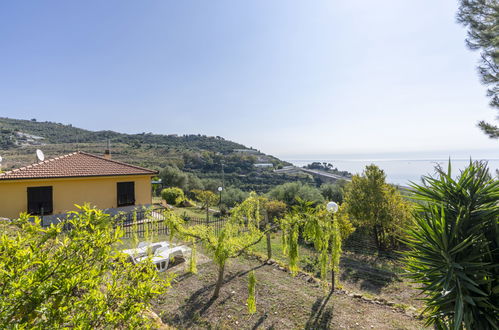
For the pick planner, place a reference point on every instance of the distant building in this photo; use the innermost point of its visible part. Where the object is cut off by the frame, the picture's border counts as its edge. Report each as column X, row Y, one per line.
column 264, row 165
column 247, row 151
column 56, row 185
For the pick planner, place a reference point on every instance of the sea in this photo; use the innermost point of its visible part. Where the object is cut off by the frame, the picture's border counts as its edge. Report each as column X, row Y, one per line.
column 402, row 168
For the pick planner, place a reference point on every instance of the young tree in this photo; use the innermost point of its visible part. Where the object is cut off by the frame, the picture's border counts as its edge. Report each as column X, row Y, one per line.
column 274, row 211
column 239, row 234
column 455, row 248
column 482, row 19
column 320, row 227
column 52, row 278
column 371, row 203
column 207, row 199
column 251, row 301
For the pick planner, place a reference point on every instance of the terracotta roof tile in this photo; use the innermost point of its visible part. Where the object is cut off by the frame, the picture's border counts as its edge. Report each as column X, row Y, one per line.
column 77, row 164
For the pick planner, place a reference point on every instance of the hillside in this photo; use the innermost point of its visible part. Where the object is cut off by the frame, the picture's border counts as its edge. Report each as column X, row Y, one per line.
column 199, row 154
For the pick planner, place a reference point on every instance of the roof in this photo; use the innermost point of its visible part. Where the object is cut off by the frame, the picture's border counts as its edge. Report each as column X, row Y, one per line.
column 76, row 164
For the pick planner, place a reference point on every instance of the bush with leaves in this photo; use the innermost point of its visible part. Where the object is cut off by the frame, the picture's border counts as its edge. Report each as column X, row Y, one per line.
column 173, row 195
column 333, row 191
column 52, row 278
column 373, row 204
column 171, row 176
column 288, row 193
column 233, row 196
column 454, row 246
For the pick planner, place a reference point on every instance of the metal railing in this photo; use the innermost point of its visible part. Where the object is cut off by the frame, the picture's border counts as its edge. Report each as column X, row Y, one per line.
column 141, row 222
column 216, row 224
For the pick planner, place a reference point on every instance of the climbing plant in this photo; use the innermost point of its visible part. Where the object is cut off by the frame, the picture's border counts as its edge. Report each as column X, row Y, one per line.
column 319, row 227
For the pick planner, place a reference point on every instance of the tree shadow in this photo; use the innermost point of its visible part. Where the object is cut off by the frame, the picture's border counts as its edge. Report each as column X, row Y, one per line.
column 201, row 300
column 320, row 315
column 369, row 278
column 260, row 321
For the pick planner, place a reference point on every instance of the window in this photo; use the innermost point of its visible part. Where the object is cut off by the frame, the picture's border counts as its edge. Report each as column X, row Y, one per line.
column 126, row 193
column 40, row 200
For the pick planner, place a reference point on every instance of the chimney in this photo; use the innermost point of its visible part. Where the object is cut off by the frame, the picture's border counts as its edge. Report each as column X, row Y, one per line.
column 107, row 152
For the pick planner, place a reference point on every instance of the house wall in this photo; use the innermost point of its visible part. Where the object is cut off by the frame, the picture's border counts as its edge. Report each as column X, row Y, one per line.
column 100, row 192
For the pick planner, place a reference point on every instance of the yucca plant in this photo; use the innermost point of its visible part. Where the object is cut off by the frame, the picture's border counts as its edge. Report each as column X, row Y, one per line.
column 454, row 245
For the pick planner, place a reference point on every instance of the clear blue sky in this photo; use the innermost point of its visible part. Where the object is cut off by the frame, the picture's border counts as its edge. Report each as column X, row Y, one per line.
column 286, row 77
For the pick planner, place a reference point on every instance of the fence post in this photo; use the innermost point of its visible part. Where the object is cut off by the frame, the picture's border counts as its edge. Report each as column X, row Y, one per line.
column 269, row 245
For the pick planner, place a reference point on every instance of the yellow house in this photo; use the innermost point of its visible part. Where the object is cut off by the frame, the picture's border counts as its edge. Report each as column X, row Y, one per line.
column 54, row 186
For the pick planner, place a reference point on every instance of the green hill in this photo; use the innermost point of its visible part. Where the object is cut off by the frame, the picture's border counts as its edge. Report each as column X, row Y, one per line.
column 199, row 154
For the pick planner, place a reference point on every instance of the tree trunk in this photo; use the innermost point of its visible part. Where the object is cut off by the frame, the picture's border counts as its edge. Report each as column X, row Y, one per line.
column 376, row 237
column 269, row 245
column 219, row 281
column 332, row 280
column 207, row 215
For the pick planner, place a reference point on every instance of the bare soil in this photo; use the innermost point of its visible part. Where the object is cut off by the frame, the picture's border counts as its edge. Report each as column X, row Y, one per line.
column 283, row 302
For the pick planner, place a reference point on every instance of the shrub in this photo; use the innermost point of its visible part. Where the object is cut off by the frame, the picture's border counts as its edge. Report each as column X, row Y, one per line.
column 233, row 196
column 333, row 191
column 54, row 279
column 454, row 248
column 288, row 193
column 173, row 196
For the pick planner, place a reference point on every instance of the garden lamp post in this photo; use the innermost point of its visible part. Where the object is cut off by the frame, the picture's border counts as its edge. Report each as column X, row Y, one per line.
column 332, row 208
column 220, row 191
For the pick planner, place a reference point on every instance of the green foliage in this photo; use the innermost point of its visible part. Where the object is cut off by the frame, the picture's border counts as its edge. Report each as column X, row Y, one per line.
column 233, row 196
column 249, row 211
column 54, row 279
column 482, row 19
column 288, row 193
column 251, row 293
column 333, row 191
column 193, row 261
column 372, row 203
column 206, row 197
column 199, row 158
column 455, row 248
column 319, row 227
column 344, row 224
column 171, row 176
column 275, row 209
column 173, row 196
column 237, row 235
